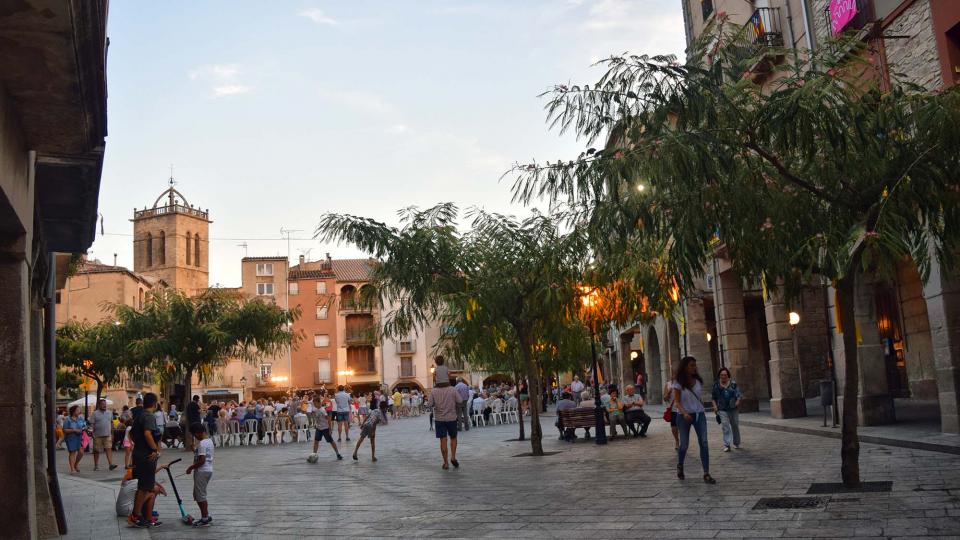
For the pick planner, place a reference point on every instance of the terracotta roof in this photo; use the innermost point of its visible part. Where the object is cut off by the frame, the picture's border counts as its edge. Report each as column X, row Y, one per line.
column 353, row 269
column 97, row 267
column 274, row 258
column 311, row 274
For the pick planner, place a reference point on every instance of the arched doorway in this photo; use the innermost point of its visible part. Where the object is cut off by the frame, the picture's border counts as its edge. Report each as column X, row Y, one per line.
column 497, row 378
column 406, row 386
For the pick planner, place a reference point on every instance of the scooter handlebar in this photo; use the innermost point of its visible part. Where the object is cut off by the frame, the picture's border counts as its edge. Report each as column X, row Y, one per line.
column 174, row 461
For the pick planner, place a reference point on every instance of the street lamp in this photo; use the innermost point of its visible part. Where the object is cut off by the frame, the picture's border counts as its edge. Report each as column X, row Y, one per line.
column 591, row 301
column 243, row 387
column 346, row 374
column 794, row 319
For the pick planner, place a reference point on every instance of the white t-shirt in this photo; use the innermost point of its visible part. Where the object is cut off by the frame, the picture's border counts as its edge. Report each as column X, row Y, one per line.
column 128, row 490
column 690, row 398
column 205, row 448
column 576, row 387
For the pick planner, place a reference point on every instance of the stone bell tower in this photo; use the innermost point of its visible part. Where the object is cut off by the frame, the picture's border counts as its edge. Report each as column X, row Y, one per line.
column 171, row 242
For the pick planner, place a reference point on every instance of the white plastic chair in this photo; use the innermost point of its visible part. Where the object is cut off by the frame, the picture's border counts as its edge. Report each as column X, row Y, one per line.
column 223, row 431
column 269, row 429
column 283, row 428
column 478, row 418
column 234, row 431
column 303, row 426
column 511, row 414
column 250, row 431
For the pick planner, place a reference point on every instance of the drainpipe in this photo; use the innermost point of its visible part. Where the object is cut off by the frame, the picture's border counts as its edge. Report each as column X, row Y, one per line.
column 807, row 28
column 793, row 39
column 50, row 384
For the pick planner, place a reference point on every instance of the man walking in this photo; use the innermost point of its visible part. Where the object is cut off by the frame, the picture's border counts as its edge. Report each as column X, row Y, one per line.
column 576, row 388
column 445, row 401
column 463, row 418
column 146, row 451
column 342, row 414
column 193, row 417
column 102, row 423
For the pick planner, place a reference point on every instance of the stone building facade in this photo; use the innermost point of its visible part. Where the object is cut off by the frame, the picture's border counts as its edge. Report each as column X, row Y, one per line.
column 908, row 330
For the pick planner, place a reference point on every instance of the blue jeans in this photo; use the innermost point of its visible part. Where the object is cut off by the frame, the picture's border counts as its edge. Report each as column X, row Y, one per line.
column 699, row 424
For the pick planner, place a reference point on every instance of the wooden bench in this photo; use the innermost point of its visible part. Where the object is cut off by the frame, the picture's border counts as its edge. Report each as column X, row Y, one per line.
column 582, row 417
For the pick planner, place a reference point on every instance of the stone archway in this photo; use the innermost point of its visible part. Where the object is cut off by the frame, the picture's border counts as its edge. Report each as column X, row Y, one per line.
column 654, row 366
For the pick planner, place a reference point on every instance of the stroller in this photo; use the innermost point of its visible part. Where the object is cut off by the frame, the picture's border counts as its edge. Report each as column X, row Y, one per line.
column 173, row 435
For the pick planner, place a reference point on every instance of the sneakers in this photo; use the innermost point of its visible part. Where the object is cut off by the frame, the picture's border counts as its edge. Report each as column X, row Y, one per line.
column 726, row 448
column 339, row 457
column 203, row 522
column 737, row 446
column 112, row 467
column 137, row 521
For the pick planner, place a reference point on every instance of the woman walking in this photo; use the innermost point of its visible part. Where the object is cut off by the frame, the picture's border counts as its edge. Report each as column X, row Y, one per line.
column 726, row 400
column 672, row 407
column 686, row 395
column 73, row 428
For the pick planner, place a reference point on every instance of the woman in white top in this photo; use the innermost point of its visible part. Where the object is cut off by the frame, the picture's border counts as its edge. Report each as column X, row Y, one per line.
column 686, row 397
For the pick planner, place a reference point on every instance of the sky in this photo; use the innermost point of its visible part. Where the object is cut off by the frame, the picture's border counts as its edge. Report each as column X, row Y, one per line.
column 273, row 113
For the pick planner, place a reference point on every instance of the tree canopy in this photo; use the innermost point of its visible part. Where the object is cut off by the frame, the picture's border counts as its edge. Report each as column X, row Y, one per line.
column 801, row 169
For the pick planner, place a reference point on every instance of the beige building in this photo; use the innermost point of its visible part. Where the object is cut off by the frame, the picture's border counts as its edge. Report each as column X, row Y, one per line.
column 171, row 242
column 88, row 296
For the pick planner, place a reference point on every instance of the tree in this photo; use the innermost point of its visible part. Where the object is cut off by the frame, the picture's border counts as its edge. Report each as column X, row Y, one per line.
column 502, row 288
column 182, row 335
column 804, row 169
column 69, row 383
column 95, row 351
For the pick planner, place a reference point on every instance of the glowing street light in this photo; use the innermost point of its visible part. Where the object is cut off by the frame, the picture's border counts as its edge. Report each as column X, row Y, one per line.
column 347, row 373
column 591, row 303
column 709, row 337
column 794, row 318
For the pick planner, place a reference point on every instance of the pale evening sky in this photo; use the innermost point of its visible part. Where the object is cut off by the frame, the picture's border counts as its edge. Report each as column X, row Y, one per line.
column 273, row 113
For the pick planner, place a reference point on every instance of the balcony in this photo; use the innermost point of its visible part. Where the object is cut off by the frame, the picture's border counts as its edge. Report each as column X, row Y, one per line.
column 353, row 306
column 765, row 28
column 406, row 371
column 358, row 338
column 406, row 347
column 171, row 209
column 322, row 378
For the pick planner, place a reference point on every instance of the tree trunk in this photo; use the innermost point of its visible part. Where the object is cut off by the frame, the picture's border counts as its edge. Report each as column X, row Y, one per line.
column 533, row 378
column 850, row 443
column 185, row 422
column 99, row 393
column 516, row 378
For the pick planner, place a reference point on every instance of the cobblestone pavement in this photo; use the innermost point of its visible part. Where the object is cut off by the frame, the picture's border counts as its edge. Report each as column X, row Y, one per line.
column 626, row 489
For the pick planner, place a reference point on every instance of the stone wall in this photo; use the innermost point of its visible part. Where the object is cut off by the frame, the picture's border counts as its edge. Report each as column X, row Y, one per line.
column 914, row 59
column 918, row 347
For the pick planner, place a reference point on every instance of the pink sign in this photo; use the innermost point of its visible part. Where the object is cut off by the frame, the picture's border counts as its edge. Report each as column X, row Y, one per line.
column 841, row 13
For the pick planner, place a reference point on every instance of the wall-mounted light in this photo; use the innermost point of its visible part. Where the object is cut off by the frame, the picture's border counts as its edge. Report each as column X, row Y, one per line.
column 794, row 318
column 634, row 355
column 709, row 337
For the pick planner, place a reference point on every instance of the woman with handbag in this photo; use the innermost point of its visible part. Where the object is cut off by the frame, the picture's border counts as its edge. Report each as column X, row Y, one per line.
column 692, row 414
column 726, row 400
column 73, row 429
column 670, row 414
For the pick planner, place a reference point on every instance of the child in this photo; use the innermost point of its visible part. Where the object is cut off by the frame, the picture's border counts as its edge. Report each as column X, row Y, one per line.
column 322, row 423
column 441, row 374
column 369, row 429
column 128, row 492
column 202, row 469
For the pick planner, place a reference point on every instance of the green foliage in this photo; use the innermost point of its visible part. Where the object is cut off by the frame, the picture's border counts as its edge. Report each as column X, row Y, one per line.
column 97, row 351
column 181, row 335
column 68, row 383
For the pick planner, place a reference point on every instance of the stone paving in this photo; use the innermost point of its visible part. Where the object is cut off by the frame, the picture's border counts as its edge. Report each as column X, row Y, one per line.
column 626, row 489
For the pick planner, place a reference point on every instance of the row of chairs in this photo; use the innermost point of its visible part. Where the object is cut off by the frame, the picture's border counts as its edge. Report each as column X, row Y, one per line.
column 507, row 415
column 270, row 430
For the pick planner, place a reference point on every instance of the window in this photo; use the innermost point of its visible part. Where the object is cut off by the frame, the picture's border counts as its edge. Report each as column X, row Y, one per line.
column 321, row 287
column 265, row 269
column 196, row 250
column 149, row 249
column 361, row 359
column 162, row 248
column 706, row 6
column 189, row 247
column 57, row 297
column 406, row 347
column 141, row 298
column 294, row 287
column 266, row 371
column 321, row 340
column 406, row 367
column 323, row 370
column 265, row 289
column 321, row 313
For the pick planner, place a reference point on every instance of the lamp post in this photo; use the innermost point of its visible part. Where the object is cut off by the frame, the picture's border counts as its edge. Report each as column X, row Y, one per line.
column 243, row 387
column 794, row 319
column 590, row 300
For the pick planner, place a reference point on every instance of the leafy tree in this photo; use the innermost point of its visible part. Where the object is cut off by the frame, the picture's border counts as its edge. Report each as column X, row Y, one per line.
column 182, row 335
column 503, row 287
column 804, row 170
column 69, row 383
column 96, row 351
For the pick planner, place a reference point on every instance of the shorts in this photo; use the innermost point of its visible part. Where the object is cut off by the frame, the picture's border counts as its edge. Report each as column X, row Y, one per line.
column 200, row 481
column 145, row 471
column 101, row 444
column 364, row 411
column 524, row 397
column 341, row 416
column 368, row 432
column 325, row 433
column 446, row 429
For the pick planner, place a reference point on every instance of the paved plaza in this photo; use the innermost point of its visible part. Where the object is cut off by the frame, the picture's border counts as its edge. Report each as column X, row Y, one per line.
column 626, row 489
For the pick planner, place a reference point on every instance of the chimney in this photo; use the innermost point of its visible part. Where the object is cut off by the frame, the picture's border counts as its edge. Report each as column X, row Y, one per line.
column 329, row 264
column 114, row 259
column 301, row 260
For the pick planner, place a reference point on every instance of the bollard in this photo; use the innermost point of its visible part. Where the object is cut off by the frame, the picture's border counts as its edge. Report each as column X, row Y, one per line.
column 826, row 398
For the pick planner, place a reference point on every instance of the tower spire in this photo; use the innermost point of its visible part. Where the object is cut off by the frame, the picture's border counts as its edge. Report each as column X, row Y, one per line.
column 172, row 183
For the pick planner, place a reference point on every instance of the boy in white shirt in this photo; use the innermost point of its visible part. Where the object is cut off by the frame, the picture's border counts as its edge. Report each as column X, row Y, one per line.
column 202, row 469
